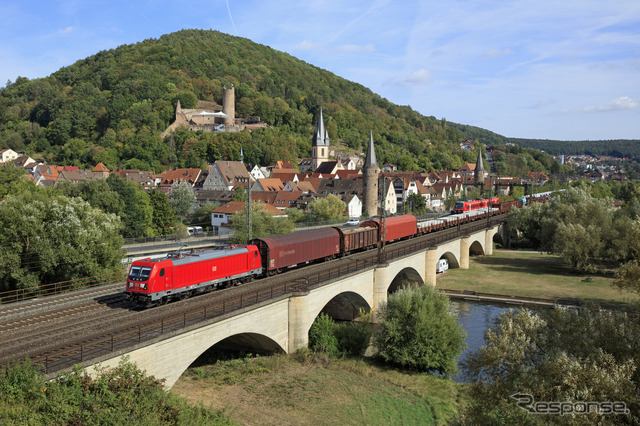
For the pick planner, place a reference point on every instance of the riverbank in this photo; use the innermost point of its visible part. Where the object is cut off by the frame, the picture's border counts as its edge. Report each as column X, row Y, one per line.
column 533, row 275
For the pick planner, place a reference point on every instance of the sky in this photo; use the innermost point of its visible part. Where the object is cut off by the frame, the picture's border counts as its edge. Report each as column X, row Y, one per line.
column 544, row 69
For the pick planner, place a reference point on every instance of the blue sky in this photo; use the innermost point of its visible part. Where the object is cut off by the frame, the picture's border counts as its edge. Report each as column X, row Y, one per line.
column 544, row 69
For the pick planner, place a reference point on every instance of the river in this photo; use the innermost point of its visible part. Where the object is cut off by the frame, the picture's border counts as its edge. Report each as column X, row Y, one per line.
column 475, row 317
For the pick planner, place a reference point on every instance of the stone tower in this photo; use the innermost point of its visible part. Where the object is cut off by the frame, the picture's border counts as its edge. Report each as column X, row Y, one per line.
column 479, row 174
column 371, row 174
column 320, row 144
column 229, row 105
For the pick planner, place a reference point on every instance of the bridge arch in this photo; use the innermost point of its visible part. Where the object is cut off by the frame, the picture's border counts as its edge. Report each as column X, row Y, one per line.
column 476, row 249
column 345, row 306
column 168, row 358
column 407, row 275
column 452, row 259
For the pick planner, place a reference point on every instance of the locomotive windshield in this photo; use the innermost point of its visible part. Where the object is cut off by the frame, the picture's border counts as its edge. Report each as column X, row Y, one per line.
column 139, row 273
column 459, row 205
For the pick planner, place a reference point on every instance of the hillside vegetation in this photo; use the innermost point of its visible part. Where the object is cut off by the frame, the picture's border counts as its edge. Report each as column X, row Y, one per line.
column 112, row 107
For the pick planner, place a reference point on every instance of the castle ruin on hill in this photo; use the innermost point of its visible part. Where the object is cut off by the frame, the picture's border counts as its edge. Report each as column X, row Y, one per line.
column 209, row 117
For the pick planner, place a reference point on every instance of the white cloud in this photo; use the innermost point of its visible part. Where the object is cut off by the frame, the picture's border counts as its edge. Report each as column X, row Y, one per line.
column 417, row 78
column 619, row 104
column 542, row 103
column 356, row 48
column 306, row 45
column 65, row 31
column 496, row 52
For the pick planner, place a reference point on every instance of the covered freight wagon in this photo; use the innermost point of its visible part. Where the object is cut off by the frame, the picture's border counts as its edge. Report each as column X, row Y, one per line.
column 354, row 239
column 397, row 227
column 283, row 251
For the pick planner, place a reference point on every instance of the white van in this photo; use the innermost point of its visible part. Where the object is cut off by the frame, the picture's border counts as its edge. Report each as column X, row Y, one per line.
column 442, row 266
column 195, row 231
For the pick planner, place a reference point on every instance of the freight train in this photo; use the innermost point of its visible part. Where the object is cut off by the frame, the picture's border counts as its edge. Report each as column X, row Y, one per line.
column 179, row 275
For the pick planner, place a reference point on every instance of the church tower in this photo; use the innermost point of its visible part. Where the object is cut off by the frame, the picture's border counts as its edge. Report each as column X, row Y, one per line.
column 371, row 173
column 479, row 174
column 320, row 144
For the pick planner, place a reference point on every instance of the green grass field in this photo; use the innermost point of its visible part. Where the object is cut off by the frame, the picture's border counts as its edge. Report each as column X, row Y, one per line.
column 314, row 390
column 532, row 274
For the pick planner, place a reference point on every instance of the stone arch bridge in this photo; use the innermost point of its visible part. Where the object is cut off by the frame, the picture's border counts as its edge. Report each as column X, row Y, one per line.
column 282, row 325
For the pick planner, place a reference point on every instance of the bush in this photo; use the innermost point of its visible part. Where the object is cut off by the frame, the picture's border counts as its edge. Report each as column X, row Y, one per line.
column 353, row 339
column 335, row 339
column 322, row 336
column 116, row 396
column 418, row 331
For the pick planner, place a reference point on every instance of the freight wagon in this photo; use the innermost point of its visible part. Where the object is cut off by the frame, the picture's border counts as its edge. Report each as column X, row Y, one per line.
column 396, row 227
column 283, row 251
column 356, row 239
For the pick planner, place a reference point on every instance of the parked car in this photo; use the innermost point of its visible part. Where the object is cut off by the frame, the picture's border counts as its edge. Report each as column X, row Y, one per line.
column 353, row 222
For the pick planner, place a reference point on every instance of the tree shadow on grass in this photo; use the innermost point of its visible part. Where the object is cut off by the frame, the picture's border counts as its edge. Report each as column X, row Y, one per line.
column 537, row 266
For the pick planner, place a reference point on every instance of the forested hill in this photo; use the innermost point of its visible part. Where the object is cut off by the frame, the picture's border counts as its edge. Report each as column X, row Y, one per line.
column 112, row 107
column 614, row 148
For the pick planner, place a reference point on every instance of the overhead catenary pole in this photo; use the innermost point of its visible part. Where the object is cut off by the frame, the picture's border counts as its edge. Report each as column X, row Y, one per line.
column 249, row 210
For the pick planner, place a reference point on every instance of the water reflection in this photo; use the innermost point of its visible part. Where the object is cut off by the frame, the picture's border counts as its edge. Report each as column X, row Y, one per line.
column 476, row 317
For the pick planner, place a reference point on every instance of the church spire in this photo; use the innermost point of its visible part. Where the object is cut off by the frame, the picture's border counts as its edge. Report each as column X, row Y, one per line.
column 320, row 144
column 479, row 173
column 321, row 137
column 371, row 161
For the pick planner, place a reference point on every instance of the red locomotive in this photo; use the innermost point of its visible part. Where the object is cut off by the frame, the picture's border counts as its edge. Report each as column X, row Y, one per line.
column 177, row 276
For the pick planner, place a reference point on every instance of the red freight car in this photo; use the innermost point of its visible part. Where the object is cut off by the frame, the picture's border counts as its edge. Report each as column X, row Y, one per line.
column 397, row 227
column 354, row 239
column 505, row 206
column 282, row 251
column 175, row 276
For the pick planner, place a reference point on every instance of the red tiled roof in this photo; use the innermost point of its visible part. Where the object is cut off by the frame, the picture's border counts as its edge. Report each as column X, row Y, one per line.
column 100, row 168
column 233, row 207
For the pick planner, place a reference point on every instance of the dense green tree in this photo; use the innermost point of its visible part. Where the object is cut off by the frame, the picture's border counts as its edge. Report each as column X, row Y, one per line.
column 240, row 194
column 164, row 217
column 14, row 181
column 295, row 214
column 95, row 192
column 263, row 224
column 137, row 213
column 418, row 331
column 415, row 204
column 52, row 238
column 562, row 355
column 326, row 209
column 584, row 230
column 182, row 199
